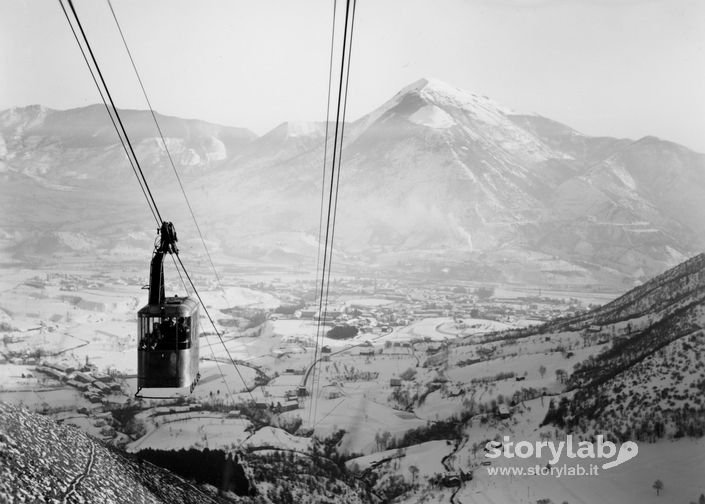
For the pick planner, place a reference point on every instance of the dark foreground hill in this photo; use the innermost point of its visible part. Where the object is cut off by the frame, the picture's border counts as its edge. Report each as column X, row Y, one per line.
column 42, row 461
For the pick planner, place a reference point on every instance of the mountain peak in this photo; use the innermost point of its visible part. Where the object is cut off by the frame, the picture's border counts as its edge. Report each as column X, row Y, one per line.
column 440, row 93
column 430, row 85
column 297, row 129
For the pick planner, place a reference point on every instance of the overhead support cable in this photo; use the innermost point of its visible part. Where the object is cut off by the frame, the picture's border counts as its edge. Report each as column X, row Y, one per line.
column 323, row 187
column 334, row 184
column 110, row 113
column 132, row 157
column 173, row 166
column 114, row 108
column 217, row 363
column 215, row 329
column 166, row 148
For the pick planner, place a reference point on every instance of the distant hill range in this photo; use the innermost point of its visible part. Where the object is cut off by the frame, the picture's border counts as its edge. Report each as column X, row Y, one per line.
column 435, row 179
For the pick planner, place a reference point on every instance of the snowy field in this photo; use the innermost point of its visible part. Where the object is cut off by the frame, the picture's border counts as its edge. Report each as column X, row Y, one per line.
column 197, row 430
column 359, row 385
column 443, row 328
column 679, row 465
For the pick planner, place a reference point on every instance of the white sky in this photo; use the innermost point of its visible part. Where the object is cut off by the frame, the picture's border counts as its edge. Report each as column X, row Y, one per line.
column 605, row 67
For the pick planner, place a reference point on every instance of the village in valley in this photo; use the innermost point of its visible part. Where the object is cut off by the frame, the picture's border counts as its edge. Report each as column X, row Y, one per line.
column 272, row 327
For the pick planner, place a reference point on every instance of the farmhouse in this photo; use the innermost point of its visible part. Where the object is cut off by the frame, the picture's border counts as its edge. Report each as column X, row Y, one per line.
column 289, row 405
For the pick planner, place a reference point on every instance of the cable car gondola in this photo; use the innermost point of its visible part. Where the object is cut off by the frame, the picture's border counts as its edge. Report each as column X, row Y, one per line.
column 167, row 328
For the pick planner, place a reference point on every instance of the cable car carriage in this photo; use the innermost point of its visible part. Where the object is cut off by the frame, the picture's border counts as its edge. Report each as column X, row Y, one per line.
column 167, row 351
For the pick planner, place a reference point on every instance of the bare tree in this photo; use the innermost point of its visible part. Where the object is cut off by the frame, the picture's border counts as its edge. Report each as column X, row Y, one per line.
column 561, row 375
column 658, row 485
column 414, row 472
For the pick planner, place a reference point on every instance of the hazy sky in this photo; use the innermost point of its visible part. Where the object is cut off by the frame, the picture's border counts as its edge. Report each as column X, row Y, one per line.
column 605, row 67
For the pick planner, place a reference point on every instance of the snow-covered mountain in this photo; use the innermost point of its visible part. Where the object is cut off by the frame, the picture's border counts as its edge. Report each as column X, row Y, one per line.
column 436, row 174
column 487, row 179
column 42, row 141
column 647, row 382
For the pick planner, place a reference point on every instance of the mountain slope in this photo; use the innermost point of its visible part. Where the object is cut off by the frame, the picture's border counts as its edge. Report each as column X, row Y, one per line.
column 68, row 146
column 680, row 286
column 90, row 126
column 647, row 381
column 443, row 169
column 41, row 460
column 457, row 167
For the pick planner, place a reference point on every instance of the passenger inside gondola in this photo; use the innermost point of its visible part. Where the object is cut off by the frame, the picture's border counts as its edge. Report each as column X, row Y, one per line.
column 184, row 332
column 169, row 334
column 165, row 334
column 155, row 337
column 149, row 337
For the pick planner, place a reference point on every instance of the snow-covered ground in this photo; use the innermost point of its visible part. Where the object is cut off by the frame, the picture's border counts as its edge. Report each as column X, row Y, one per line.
column 271, row 437
column 444, row 328
column 359, row 386
column 679, row 465
column 238, row 296
column 361, row 417
column 426, row 457
column 198, row 430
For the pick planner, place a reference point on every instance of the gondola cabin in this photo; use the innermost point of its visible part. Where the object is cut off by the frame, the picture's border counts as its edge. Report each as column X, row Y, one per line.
column 168, row 344
column 167, row 332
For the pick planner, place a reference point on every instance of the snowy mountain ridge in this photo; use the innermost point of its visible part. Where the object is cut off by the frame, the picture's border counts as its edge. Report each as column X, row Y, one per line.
column 434, row 172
